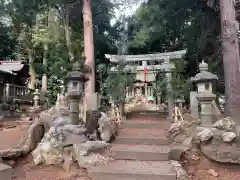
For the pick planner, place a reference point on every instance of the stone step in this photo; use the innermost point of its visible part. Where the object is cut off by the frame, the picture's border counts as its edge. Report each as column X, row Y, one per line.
column 141, row 114
column 5, row 172
column 142, row 124
column 133, row 170
column 140, row 152
column 142, row 132
column 141, row 140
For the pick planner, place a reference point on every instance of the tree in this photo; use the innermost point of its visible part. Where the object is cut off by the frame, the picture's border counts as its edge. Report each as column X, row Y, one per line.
column 7, row 44
column 88, row 49
column 230, row 57
column 165, row 26
column 116, row 83
column 22, row 15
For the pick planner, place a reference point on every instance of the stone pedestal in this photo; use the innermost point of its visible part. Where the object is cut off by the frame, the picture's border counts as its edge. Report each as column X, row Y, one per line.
column 206, row 115
column 74, row 99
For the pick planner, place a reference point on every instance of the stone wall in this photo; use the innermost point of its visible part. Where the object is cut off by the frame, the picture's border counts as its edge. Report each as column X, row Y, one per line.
column 217, row 141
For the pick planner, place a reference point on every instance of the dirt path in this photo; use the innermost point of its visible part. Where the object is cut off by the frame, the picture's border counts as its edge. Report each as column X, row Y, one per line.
column 12, row 131
column 199, row 170
column 27, row 170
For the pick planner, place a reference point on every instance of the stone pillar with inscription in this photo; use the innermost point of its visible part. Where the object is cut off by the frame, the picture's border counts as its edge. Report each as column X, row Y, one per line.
column 76, row 80
column 170, row 97
column 194, row 104
column 7, row 92
column 205, row 96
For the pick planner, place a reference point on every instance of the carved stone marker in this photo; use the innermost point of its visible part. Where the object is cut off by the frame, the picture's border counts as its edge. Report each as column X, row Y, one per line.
column 194, row 104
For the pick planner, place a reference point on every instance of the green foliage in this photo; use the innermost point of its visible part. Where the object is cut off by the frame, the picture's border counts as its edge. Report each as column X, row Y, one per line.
column 157, row 26
column 116, row 83
column 41, row 23
column 180, row 84
column 6, row 44
column 169, row 25
column 54, row 88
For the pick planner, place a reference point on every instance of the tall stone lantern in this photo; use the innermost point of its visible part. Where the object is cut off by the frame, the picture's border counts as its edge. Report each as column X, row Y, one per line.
column 205, row 95
column 76, row 80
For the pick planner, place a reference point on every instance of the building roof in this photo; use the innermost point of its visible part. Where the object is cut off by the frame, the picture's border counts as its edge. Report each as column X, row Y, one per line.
column 3, row 70
column 13, row 66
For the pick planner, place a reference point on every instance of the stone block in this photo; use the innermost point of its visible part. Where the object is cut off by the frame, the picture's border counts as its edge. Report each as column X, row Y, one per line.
column 180, row 138
column 225, row 154
column 188, row 142
column 238, row 136
column 177, row 151
column 181, row 173
column 5, row 172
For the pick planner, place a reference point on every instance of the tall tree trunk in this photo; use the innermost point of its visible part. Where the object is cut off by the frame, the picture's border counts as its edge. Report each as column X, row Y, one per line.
column 230, row 58
column 44, row 77
column 121, row 108
column 88, row 49
column 32, row 71
column 45, row 56
column 68, row 34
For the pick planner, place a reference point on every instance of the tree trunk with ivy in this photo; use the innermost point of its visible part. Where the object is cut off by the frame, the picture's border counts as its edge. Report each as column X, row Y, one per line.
column 44, row 77
column 230, row 58
column 32, row 71
column 121, row 106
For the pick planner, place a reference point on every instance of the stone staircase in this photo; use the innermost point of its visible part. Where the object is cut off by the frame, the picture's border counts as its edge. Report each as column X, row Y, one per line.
column 141, row 152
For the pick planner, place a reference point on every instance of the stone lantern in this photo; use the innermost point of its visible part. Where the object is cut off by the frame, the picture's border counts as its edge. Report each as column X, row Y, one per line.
column 36, row 98
column 205, row 95
column 76, row 80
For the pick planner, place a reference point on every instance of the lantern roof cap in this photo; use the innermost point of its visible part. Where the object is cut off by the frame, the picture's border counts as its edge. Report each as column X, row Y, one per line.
column 204, row 74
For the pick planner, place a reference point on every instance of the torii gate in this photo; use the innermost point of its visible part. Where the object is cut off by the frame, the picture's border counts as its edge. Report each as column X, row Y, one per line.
column 149, row 75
